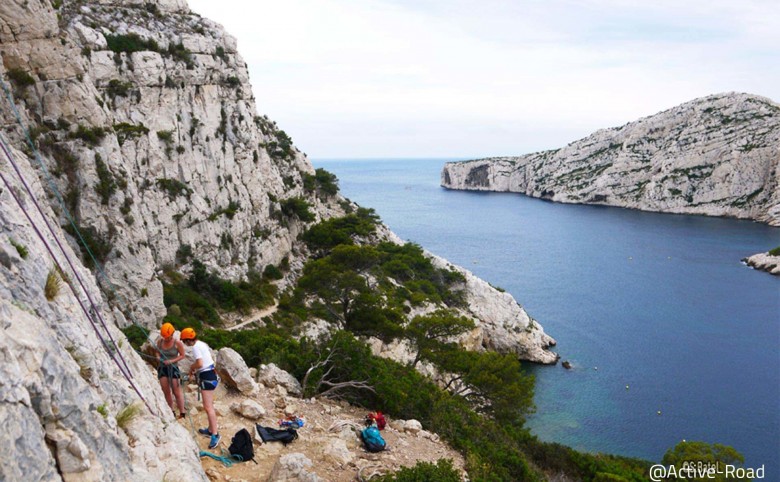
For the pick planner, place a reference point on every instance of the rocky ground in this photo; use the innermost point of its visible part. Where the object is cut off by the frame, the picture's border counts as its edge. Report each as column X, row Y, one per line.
column 765, row 262
column 328, row 447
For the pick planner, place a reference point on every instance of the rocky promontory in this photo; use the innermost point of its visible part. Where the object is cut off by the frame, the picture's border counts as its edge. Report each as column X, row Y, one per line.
column 716, row 156
column 768, row 262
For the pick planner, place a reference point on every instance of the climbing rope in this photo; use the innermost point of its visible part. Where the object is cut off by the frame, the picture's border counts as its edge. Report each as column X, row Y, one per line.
column 227, row 459
column 102, row 277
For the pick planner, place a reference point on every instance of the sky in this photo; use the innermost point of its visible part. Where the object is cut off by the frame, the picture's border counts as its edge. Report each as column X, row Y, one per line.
column 468, row 78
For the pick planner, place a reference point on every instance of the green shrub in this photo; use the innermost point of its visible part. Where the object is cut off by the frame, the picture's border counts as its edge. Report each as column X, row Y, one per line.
column 20, row 248
column 272, row 272
column 184, row 253
column 96, row 243
column 130, row 43
column 775, row 251
column 53, row 284
column 117, row 88
column 173, row 187
column 20, row 77
column 323, row 181
column 441, row 471
column 135, row 335
column 297, row 207
column 181, row 54
column 327, row 234
column 106, row 186
column 126, row 131
column 91, row 135
column 128, row 414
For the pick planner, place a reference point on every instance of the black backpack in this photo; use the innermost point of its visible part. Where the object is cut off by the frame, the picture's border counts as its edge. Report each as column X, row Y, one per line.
column 269, row 434
column 241, row 447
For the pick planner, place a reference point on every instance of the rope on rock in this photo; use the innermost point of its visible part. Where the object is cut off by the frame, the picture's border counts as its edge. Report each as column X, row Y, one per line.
column 227, row 459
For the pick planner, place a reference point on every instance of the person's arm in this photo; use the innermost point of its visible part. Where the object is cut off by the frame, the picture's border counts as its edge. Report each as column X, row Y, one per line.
column 198, row 362
column 182, row 354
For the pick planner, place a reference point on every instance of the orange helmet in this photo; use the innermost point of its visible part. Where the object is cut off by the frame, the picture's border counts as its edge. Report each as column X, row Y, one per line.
column 187, row 334
column 167, row 330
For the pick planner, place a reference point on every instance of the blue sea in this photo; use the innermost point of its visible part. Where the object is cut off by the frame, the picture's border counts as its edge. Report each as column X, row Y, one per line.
column 670, row 335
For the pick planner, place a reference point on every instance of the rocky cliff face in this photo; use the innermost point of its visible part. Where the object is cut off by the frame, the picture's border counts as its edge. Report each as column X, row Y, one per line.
column 144, row 115
column 717, row 156
column 145, row 122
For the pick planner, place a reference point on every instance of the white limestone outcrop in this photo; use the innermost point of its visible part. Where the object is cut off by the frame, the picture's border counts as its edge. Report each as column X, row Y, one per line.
column 717, row 156
column 765, row 262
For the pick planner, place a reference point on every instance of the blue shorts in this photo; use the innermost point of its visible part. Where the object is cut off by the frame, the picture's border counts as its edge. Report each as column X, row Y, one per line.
column 208, row 380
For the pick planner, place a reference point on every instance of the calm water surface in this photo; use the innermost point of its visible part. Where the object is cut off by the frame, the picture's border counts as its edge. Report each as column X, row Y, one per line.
column 655, row 311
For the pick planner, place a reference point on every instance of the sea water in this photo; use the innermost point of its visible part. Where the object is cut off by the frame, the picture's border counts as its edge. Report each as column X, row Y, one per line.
column 670, row 336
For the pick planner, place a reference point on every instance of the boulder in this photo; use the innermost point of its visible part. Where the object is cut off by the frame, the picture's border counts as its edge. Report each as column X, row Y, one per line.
column 412, row 426
column 293, row 468
column 234, row 372
column 248, row 409
column 272, row 376
column 336, row 451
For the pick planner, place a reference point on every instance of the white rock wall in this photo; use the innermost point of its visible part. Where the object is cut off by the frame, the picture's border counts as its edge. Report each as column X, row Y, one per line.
column 717, row 156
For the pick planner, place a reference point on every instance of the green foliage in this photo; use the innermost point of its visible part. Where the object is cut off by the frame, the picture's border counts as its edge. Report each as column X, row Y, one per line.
column 296, row 207
column 96, row 243
column 282, row 146
column 105, row 186
column 173, row 187
column 229, row 211
column 130, row 43
column 775, row 251
column 441, row 471
column 199, row 297
column 20, row 248
column 327, row 234
column 232, row 81
column 180, row 53
column 128, row 414
column 557, row 458
column 431, row 334
column 272, row 272
column 165, row 136
column 117, row 88
column 184, row 253
column 126, row 131
column 220, row 52
column 20, row 77
column 135, row 335
column 322, row 181
column 103, row 410
column 53, row 284
column 91, row 135
column 710, row 455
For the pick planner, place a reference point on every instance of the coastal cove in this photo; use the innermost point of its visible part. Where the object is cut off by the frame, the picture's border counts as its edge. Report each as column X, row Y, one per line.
column 670, row 335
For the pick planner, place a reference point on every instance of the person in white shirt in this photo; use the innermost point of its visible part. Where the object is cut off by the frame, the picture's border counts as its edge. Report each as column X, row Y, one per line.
column 207, row 381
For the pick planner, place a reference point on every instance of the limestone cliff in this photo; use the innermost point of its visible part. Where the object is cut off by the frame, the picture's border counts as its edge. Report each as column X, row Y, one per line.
column 716, row 156
column 144, row 120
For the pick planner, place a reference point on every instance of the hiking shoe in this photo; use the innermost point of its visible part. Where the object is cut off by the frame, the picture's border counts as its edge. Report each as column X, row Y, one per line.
column 214, row 441
column 204, row 431
column 182, row 415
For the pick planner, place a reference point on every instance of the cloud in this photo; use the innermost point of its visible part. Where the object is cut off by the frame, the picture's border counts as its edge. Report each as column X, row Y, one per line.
column 472, row 78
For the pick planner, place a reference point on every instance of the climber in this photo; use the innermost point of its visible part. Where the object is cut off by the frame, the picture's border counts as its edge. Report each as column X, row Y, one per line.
column 171, row 351
column 207, row 381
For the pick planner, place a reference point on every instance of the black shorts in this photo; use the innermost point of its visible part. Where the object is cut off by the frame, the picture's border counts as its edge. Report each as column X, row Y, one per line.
column 208, row 380
column 168, row 371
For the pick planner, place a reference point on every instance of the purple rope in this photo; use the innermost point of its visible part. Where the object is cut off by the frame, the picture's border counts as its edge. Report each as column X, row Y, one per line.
column 67, row 258
column 51, row 253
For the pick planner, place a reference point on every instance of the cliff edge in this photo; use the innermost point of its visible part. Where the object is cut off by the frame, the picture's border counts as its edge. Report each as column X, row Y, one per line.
column 716, row 156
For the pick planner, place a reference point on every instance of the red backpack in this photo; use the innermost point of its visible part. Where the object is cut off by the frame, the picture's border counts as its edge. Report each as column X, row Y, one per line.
column 379, row 419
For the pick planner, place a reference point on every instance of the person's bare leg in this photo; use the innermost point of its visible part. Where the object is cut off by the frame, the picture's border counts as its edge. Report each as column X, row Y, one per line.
column 208, row 406
column 178, row 394
column 166, row 388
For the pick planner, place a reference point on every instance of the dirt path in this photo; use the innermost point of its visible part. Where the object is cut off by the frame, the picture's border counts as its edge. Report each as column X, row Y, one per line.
column 255, row 317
